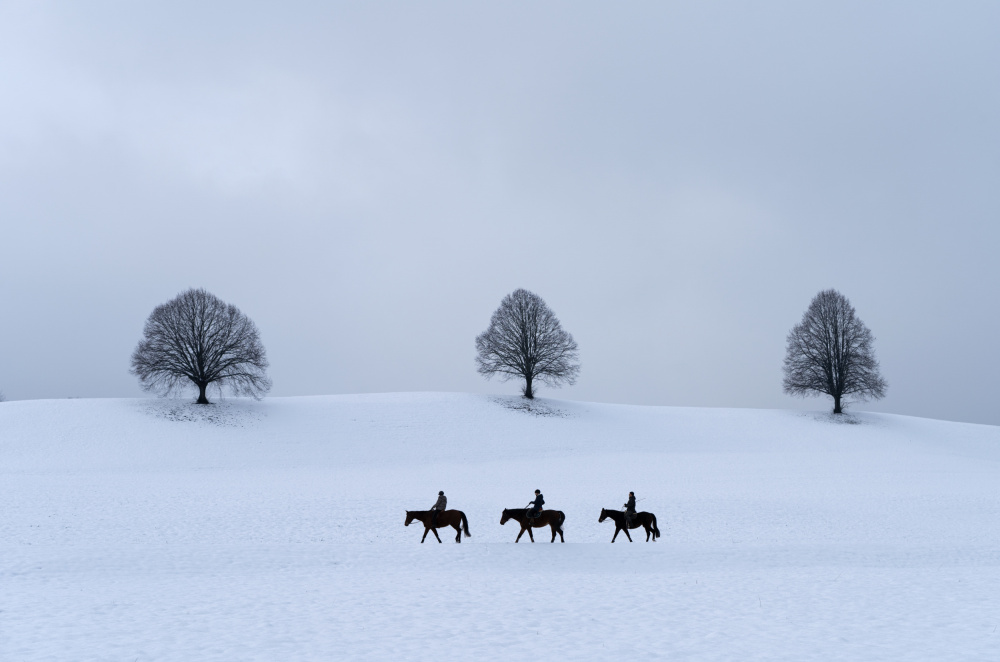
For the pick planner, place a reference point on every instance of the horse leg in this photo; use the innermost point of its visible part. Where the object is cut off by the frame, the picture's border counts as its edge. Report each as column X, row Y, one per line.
column 435, row 532
column 617, row 529
column 519, row 535
column 426, row 529
column 530, row 534
column 626, row 534
column 554, row 529
column 458, row 527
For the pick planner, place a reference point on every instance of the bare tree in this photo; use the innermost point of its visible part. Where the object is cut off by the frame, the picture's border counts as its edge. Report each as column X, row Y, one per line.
column 525, row 340
column 831, row 351
column 196, row 338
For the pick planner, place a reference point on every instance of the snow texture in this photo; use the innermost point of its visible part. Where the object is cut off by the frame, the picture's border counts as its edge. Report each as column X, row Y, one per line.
column 146, row 530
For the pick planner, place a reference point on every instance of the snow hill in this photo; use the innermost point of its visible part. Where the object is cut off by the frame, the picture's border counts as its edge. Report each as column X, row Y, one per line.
column 273, row 530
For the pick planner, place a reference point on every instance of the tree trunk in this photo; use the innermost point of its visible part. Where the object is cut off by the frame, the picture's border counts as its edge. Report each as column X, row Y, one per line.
column 528, row 393
column 836, row 405
column 202, row 400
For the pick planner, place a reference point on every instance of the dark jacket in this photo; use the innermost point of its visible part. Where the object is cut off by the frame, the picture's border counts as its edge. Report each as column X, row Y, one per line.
column 537, row 504
column 630, row 506
column 441, row 503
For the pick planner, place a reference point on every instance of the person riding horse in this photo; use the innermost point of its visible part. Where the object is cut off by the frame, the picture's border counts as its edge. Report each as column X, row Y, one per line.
column 630, row 507
column 439, row 507
column 536, row 505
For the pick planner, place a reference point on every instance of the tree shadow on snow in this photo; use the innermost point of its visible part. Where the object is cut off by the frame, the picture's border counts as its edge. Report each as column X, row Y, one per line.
column 533, row 407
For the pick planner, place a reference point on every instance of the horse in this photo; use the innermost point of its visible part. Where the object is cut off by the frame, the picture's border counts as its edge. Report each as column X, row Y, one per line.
column 643, row 519
column 550, row 518
column 453, row 518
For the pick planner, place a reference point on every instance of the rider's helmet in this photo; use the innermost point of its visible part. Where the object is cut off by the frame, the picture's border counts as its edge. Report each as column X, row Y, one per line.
column 538, row 491
column 441, row 493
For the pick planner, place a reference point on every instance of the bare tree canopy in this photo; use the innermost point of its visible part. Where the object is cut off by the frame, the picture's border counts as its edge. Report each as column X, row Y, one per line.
column 831, row 351
column 199, row 339
column 525, row 340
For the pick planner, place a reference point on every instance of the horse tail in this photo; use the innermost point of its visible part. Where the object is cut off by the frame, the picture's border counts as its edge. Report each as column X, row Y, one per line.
column 465, row 525
column 562, row 518
column 656, row 531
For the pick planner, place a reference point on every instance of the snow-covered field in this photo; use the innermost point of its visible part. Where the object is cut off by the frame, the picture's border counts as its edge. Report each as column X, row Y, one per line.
column 139, row 530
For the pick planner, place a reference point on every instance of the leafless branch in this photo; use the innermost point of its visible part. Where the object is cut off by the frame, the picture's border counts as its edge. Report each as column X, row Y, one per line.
column 831, row 351
column 525, row 340
column 198, row 339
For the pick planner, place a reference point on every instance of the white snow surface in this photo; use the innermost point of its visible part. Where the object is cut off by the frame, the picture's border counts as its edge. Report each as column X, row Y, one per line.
column 139, row 530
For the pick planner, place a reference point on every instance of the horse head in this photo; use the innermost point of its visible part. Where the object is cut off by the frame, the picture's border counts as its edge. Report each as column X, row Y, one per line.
column 506, row 516
column 409, row 518
column 604, row 515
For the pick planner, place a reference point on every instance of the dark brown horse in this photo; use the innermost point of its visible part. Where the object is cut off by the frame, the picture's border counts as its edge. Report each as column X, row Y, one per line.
column 453, row 518
column 550, row 518
column 643, row 519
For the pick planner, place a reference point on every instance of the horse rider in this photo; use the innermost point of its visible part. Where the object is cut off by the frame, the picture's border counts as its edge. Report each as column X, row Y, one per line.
column 630, row 508
column 438, row 507
column 536, row 505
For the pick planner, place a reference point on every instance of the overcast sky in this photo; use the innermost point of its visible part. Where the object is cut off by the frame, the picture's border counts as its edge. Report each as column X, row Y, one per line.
column 366, row 181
